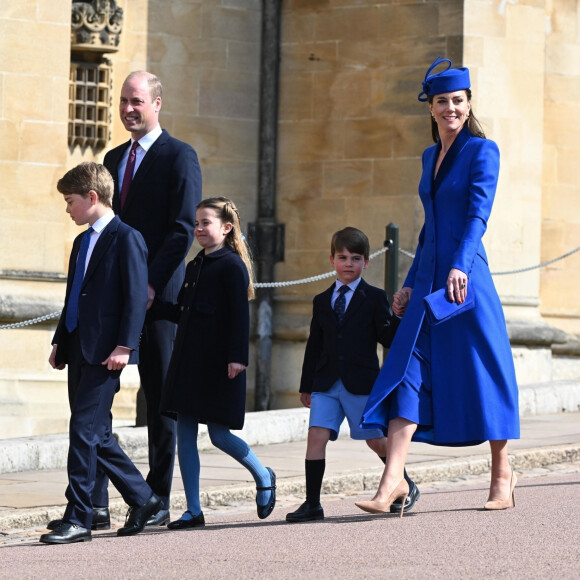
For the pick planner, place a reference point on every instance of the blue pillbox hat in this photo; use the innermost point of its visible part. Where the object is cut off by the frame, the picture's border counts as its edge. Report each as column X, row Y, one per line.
column 446, row 81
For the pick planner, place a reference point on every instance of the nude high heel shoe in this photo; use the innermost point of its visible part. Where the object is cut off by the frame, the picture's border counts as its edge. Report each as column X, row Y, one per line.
column 503, row 504
column 380, row 507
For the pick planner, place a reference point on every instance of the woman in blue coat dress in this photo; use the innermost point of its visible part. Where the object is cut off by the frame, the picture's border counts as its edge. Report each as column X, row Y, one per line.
column 449, row 382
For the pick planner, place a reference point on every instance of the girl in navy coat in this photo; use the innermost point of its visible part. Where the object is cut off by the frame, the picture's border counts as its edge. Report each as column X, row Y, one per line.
column 451, row 383
column 206, row 381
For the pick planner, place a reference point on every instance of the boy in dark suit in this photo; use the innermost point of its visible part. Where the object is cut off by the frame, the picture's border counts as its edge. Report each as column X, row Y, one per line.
column 341, row 363
column 97, row 336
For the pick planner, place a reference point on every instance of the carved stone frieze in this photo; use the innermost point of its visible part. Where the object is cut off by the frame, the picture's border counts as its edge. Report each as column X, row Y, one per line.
column 96, row 26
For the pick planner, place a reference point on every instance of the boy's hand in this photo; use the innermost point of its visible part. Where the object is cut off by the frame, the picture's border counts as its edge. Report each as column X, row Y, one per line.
column 305, row 399
column 401, row 300
column 52, row 359
column 234, row 369
column 150, row 296
column 118, row 359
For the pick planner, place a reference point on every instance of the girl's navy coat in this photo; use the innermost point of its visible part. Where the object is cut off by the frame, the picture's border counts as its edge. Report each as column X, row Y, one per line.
column 214, row 330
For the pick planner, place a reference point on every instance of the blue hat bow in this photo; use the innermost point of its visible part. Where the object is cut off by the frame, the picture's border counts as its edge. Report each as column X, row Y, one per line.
column 445, row 81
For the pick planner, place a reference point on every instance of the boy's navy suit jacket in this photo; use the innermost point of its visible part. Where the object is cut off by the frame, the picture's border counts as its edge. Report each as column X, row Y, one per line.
column 113, row 298
column 347, row 351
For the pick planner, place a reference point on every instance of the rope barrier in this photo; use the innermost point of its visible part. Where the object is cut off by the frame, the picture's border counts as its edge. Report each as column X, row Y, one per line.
column 314, row 279
column 31, row 321
column 539, row 265
column 518, row 271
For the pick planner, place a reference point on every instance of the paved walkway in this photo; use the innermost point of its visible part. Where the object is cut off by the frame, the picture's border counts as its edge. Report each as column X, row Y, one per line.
column 29, row 499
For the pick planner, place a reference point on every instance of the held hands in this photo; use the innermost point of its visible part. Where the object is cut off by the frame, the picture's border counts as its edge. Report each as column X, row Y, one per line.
column 234, row 369
column 52, row 359
column 150, row 295
column 118, row 359
column 305, row 399
column 457, row 285
column 401, row 300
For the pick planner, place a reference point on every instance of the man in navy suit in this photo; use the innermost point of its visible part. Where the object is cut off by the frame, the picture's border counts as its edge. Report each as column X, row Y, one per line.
column 157, row 196
column 97, row 336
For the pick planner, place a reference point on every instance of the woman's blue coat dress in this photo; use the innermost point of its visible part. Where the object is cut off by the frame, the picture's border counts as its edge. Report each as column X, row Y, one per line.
column 474, row 389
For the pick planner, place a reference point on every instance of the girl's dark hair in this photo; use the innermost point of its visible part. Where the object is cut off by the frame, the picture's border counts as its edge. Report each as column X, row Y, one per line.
column 472, row 123
column 227, row 212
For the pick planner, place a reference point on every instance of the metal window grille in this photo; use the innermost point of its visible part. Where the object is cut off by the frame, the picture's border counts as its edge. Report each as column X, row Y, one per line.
column 89, row 105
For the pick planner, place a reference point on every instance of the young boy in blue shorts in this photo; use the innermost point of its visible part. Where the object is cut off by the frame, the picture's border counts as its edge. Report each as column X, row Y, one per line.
column 341, row 364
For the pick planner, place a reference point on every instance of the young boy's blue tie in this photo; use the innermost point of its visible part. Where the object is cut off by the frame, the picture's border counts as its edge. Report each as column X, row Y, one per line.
column 72, row 310
column 340, row 303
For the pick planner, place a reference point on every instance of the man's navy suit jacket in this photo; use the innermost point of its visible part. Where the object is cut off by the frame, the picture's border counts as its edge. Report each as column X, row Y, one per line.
column 347, row 351
column 113, row 297
column 161, row 205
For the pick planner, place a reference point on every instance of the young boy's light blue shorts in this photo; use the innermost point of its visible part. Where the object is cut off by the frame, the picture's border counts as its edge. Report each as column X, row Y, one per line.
column 328, row 409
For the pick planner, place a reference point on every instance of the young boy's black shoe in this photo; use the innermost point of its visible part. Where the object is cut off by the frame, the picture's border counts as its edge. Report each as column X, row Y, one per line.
column 101, row 520
column 306, row 513
column 67, row 533
column 413, row 496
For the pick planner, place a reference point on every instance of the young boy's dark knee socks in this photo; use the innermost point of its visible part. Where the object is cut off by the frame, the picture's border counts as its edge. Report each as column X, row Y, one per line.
column 314, row 475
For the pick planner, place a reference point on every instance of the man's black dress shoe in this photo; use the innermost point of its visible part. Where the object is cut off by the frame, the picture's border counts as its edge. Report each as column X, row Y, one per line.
column 306, row 513
column 194, row 522
column 161, row 518
column 137, row 517
column 265, row 510
column 413, row 496
column 101, row 520
column 67, row 534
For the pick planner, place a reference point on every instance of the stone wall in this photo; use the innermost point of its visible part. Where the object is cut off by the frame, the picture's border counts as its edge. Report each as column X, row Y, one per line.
column 207, row 56
column 351, row 136
column 33, row 155
column 560, row 301
column 351, row 133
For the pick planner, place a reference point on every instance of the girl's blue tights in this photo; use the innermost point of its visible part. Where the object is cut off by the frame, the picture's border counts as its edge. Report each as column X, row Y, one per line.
column 224, row 440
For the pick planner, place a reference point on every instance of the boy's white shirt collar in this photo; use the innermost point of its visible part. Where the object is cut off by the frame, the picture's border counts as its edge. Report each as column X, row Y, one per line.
column 103, row 221
column 98, row 227
column 353, row 285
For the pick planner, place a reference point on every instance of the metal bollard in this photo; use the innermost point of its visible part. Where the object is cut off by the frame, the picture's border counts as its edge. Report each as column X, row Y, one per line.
column 391, row 260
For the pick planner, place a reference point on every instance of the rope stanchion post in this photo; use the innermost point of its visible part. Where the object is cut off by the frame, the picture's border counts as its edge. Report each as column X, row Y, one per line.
column 391, row 260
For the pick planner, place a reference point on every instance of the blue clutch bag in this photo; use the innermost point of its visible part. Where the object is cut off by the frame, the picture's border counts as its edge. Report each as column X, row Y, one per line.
column 439, row 309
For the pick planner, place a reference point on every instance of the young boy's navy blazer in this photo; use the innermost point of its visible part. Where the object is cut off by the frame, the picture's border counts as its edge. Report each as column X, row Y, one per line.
column 347, row 351
column 113, row 296
column 112, row 307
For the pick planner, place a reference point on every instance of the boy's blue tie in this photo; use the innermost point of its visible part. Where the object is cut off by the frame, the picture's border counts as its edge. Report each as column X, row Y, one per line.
column 72, row 309
column 340, row 303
